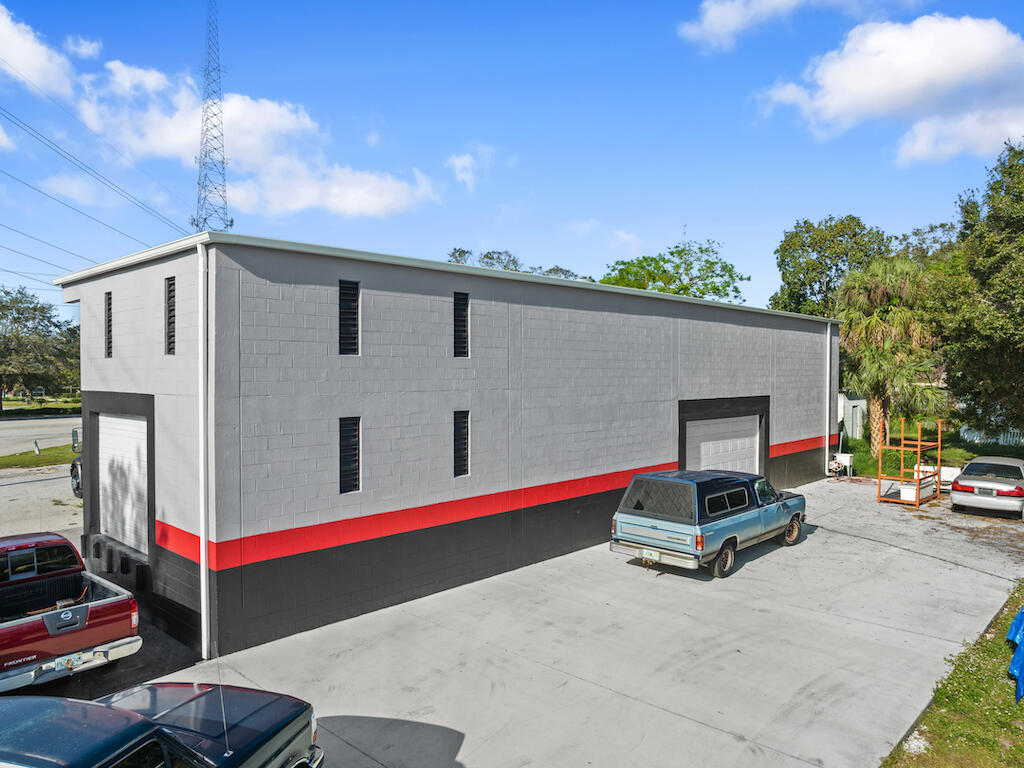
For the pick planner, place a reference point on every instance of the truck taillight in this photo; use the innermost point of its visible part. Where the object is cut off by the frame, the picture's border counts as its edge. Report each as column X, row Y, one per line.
column 699, row 544
column 1018, row 491
column 613, row 529
column 135, row 613
column 965, row 488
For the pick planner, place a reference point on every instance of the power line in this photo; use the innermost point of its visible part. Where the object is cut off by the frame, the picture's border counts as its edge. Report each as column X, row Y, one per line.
column 35, row 258
column 40, row 240
column 27, row 277
column 82, row 165
column 81, row 122
column 76, row 210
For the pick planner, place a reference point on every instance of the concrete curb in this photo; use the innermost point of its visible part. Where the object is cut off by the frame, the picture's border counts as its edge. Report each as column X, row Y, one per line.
column 43, row 416
column 931, row 699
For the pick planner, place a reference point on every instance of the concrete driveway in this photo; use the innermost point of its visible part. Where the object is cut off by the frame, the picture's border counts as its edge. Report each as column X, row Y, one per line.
column 39, row 499
column 17, row 434
column 822, row 654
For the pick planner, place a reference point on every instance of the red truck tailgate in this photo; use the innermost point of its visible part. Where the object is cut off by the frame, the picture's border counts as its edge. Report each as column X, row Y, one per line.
column 61, row 632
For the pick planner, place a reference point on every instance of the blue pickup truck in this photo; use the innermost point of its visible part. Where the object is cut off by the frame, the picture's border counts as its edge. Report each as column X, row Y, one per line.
column 693, row 518
column 160, row 725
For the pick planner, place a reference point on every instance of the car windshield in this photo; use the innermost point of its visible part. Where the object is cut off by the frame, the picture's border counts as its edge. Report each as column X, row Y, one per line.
column 991, row 469
column 661, row 499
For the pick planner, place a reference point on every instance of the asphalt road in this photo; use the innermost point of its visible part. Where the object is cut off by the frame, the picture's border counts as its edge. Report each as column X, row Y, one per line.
column 822, row 654
column 16, row 434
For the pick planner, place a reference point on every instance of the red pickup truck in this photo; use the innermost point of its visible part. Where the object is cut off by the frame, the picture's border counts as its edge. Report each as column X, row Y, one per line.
column 55, row 618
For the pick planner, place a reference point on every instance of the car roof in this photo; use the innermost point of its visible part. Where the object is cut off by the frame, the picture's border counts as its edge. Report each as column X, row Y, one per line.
column 24, row 540
column 50, row 732
column 700, row 476
column 998, row 460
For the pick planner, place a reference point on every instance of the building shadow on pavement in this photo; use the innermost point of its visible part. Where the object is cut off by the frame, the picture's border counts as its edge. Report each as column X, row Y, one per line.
column 375, row 741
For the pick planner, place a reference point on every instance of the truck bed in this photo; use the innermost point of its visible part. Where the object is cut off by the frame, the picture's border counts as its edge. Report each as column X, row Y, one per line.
column 34, row 597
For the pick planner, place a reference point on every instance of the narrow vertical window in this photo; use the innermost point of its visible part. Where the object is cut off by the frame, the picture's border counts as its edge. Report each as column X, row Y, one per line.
column 349, row 462
column 348, row 317
column 169, row 312
column 461, row 324
column 108, row 326
column 461, row 443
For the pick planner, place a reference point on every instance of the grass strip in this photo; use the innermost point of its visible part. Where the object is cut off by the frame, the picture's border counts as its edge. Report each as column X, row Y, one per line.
column 973, row 720
column 61, row 454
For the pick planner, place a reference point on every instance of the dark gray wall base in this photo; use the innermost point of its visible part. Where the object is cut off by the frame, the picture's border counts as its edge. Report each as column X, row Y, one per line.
column 796, row 468
column 264, row 601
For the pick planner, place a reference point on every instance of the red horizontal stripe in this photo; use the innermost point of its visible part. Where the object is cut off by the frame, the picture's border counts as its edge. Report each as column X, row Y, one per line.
column 294, row 541
column 267, row 546
column 796, row 446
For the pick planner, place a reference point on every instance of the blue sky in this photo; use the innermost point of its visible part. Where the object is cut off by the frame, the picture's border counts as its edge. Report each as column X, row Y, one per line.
column 570, row 134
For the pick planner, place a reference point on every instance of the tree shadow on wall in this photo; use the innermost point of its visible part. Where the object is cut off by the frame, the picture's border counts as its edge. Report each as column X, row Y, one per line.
column 394, row 743
column 123, row 506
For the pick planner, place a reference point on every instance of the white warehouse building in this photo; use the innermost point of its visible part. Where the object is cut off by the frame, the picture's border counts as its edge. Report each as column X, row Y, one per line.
column 280, row 435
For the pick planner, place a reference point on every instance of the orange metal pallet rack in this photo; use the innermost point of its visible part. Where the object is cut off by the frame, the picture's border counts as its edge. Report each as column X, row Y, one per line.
column 913, row 475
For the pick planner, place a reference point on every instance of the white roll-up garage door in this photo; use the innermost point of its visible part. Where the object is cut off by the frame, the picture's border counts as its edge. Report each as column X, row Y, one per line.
column 723, row 444
column 123, row 480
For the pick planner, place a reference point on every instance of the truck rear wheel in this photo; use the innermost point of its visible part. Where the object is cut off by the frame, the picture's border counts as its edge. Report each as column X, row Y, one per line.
column 725, row 561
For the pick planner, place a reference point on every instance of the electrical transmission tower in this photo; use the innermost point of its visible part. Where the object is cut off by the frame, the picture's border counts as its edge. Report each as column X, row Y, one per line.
column 212, row 205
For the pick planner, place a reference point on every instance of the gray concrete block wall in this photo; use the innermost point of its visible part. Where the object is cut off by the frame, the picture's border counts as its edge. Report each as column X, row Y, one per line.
column 139, row 365
column 561, row 383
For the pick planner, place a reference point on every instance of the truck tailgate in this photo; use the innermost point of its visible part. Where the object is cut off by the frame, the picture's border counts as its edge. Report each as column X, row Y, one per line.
column 62, row 631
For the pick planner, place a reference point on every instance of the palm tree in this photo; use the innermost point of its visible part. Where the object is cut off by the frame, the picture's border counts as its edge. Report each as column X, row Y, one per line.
column 884, row 334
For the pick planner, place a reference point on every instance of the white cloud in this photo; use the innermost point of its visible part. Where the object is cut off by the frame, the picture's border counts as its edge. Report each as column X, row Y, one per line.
column 720, row 22
column 980, row 133
column 632, row 243
column 465, row 167
column 372, row 139
column 30, row 61
column 126, row 80
column 81, row 48
column 956, row 78
column 580, row 227
column 77, row 188
column 276, row 151
column 5, row 141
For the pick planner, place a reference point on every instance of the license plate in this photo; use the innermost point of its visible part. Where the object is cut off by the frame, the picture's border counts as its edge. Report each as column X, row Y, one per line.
column 71, row 661
column 650, row 554
column 986, row 492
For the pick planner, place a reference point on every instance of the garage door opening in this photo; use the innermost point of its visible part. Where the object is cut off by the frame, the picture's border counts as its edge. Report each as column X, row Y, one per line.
column 123, row 475
column 731, row 443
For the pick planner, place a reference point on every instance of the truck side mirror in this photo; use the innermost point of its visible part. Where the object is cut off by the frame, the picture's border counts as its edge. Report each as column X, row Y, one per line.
column 76, row 445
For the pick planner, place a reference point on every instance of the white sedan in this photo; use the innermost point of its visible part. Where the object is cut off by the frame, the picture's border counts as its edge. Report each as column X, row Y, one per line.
column 993, row 483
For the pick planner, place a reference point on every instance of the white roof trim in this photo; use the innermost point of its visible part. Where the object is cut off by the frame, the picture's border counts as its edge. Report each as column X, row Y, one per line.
column 227, row 238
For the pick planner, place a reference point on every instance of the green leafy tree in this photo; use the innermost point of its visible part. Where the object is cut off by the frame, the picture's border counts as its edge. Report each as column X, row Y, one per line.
column 460, row 256
column 979, row 304
column 500, row 260
column 505, row 260
column 689, row 268
column 934, row 244
column 885, row 336
column 36, row 348
column 813, row 259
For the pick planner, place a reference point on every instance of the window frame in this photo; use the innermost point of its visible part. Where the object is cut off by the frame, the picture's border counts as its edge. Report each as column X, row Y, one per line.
column 353, row 325
column 358, row 454
column 455, row 443
column 170, row 314
column 108, row 324
column 460, row 350
column 729, row 508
